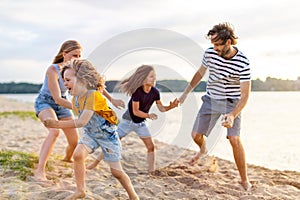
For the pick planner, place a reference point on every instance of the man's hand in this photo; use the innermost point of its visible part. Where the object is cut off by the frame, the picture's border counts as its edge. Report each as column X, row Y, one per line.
column 227, row 120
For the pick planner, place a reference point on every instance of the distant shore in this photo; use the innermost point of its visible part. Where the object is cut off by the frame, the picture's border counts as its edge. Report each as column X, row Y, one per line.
column 213, row 178
column 270, row 84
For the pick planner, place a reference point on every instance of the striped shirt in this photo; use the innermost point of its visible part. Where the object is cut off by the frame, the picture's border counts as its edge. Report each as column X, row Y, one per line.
column 225, row 76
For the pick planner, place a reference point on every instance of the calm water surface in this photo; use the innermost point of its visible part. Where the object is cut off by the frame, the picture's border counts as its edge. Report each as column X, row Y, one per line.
column 270, row 127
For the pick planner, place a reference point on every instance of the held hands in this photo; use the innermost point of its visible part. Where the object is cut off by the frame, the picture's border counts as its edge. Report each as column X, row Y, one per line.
column 227, row 120
column 50, row 123
column 152, row 116
column 174, row 104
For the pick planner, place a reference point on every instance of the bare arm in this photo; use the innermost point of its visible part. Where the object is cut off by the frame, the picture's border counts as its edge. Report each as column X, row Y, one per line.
column 194, row 82
column 118, row 103
column 76, row 123
column 137, row 112
column 54, row 88
column 163, row 108
column 245, row 92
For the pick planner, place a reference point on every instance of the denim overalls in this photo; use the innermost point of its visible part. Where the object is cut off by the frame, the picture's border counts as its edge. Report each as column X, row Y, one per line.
column 100, row 133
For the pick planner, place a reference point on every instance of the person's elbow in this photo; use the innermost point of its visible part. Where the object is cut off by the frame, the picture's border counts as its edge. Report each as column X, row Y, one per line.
column 135, row 112
column 57, row 99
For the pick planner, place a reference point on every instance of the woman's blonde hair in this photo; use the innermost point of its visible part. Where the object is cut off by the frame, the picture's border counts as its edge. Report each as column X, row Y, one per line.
column 136, row 80
column 86, row 73
column 66, row 47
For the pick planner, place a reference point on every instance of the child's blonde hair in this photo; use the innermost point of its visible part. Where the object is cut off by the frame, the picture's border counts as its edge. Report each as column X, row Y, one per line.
column 136, row 80
column 86, row 73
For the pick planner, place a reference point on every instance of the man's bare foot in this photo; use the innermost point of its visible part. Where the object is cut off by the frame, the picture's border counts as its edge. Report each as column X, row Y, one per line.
column 76, row 195
column 246, row 185
column 197, row 157
column 93, row 165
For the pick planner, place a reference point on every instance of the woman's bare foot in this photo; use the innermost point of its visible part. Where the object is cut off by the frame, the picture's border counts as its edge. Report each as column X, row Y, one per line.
column 93, row 165
column 39, row 177
column 76, row 195
column 197, row 157
column 246, row 185
column 135, row 198
column 41, row 180
column 67, row 160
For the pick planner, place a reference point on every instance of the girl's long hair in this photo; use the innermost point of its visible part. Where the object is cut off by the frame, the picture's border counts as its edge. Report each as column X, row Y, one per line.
column 66, row 47
column 86, row 73
column 136, row 80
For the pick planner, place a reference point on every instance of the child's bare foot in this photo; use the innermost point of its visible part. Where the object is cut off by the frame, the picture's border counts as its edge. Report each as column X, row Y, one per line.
column 246, row 185
column 93, row 165
column 76, row 195
column 197, row 157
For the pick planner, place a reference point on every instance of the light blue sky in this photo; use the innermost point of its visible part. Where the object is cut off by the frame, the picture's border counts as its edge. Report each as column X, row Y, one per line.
column 31, row 31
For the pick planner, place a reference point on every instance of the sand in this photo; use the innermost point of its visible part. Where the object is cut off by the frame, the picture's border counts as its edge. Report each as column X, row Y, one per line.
column 212, row 178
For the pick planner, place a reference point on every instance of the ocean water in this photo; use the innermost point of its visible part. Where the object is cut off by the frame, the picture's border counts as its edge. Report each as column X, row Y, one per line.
column 270, row 127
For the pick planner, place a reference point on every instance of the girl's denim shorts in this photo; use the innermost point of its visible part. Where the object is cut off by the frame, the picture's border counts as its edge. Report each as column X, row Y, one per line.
column 45, row 101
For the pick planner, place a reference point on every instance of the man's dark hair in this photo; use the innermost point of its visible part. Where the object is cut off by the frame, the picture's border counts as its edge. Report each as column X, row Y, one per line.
column 224, row 32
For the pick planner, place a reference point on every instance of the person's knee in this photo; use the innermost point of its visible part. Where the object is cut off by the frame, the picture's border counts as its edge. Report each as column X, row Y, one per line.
column 151, row 148
column 197, row 136
column 78, row 155
column 117, row 173
column 234, row 141
column 54, row 132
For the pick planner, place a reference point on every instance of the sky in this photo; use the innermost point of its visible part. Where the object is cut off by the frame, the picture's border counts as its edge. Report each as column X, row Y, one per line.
column 32, row 32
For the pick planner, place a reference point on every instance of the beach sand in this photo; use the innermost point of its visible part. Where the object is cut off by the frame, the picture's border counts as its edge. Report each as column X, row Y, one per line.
column 212, row 178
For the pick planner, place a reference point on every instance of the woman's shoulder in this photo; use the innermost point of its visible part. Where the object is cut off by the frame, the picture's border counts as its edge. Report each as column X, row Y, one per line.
column 53, row 69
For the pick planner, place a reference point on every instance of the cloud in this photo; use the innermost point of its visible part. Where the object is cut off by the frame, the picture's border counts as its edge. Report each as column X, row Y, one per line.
column 34, row 30
column 27, row 70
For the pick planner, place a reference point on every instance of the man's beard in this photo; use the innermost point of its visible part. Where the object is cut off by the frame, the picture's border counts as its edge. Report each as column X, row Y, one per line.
column 225, row 52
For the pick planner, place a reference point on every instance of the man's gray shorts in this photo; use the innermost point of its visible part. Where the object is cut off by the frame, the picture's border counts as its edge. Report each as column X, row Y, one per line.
column 210, row 112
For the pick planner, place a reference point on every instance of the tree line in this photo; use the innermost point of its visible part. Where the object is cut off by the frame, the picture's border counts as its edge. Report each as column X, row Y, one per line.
column 270, row 84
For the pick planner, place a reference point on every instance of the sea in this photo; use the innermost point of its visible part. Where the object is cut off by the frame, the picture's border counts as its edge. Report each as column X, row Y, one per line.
column 270, row 127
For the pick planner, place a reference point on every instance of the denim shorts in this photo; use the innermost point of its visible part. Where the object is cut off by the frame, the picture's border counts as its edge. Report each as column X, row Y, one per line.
column 210, row 112
column 45, row 101
column 127, row 126
column 109, row 143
